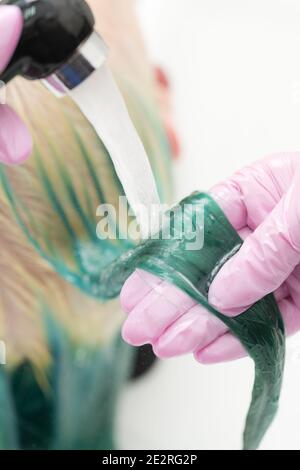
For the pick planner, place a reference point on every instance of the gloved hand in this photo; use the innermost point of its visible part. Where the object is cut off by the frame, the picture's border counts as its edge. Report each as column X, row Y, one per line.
column 15, row 141
column 262, row 203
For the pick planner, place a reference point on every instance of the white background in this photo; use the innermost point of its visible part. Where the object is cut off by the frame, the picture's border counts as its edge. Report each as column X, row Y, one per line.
column 235, row 71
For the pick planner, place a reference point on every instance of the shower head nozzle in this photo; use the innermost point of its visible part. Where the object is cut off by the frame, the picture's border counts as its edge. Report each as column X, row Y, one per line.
column 58, row 38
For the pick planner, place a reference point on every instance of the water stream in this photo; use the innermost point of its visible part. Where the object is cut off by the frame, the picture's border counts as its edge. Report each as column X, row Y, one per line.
column 101, row 102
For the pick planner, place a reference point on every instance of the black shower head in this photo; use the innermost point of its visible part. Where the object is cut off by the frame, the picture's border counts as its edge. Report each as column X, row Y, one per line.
column 53, row 35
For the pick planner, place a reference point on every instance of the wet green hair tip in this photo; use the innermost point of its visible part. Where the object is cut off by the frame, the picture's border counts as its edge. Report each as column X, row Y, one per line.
column 260, row 329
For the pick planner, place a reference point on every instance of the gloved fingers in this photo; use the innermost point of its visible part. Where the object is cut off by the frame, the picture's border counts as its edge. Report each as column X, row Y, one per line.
column 137, row 286
column 15, row 140
column 231, row 195
column 250, row 194
column 198, row 328
column 11, row 22
column 264, row 262
column 162, row 305
column 195, row 329
column 228, row 348
column 224, row 349
column 283, row 290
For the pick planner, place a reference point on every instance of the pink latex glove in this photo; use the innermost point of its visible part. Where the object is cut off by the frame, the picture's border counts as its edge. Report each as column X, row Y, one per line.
column 262, row 203
column 15, row 141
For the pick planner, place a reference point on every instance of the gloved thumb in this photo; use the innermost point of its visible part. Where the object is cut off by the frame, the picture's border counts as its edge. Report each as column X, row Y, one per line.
column 15, row 140
column 267, row 257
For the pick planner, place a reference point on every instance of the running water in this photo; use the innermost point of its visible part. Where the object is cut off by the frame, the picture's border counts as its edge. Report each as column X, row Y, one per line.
column 101, row 102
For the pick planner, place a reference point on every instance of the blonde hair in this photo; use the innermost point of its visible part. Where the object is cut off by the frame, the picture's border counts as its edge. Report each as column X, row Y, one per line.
column 47, row 213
